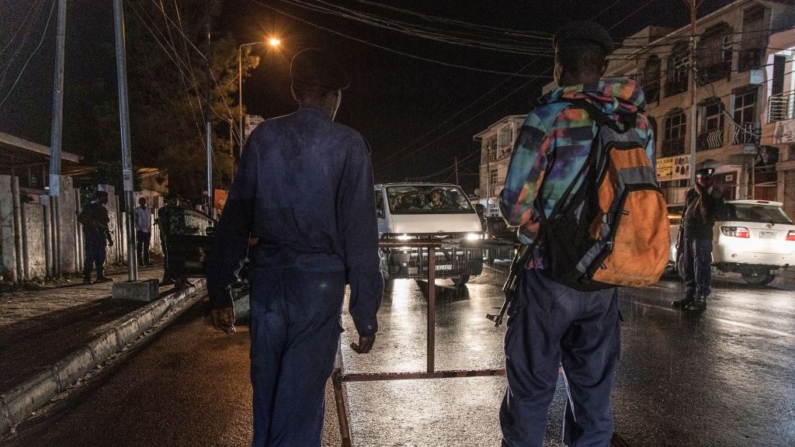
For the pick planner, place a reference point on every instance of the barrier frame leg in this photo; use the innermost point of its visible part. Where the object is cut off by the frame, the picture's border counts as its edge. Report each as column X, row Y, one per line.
column 339, row 399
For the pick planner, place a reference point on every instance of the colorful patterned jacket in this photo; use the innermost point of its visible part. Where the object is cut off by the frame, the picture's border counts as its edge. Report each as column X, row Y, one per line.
column 551, row 131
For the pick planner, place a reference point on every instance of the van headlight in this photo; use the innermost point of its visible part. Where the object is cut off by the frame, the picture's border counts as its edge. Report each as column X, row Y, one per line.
column 404, row 237
column 474, row 236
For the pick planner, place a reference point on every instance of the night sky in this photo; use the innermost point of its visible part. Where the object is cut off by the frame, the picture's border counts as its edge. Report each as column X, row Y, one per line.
column 417, row 111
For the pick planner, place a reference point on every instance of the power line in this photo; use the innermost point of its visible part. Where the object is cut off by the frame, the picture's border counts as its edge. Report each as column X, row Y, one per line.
column 19, row 76
column 447, row 64
column 465, row 122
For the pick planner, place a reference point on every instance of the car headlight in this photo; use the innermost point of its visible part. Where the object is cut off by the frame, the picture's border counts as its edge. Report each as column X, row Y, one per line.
column 473, row 236
column 404, row 237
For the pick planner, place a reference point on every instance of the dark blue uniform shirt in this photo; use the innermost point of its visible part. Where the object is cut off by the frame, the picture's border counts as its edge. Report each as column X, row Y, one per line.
column 304, row 186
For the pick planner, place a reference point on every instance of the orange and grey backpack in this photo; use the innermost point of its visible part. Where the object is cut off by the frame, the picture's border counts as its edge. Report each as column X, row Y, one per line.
column 614, row 230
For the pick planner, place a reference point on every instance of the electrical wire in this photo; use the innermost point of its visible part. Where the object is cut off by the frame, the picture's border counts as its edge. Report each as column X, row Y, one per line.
column 19, row 76
column 447, row 64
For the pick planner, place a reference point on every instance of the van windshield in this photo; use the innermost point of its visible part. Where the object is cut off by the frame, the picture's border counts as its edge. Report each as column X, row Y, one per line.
column 428, row 199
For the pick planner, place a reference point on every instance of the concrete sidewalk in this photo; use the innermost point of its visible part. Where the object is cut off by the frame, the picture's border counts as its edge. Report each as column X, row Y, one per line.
column 52, row 337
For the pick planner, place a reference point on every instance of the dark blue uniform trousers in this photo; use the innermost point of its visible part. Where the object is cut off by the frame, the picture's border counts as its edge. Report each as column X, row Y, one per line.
column 94, row 254
column 697, row 262
column 295, row 330
column 551, row 325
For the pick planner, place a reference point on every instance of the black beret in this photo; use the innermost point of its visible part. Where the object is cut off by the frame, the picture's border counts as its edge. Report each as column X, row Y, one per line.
column 317, row 68
column 705, row 171
column 584, row 30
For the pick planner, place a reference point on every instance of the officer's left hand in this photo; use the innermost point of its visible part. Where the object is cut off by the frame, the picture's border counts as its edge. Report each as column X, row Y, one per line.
column 365, row 344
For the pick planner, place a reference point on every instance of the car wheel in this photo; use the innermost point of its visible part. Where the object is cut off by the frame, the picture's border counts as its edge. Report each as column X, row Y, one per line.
column 758, row 277
column 460, row 280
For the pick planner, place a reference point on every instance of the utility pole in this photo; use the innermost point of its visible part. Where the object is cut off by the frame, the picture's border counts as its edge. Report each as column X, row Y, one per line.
column 124, row 121
column 55, row 135
column 456, row 171
column 692, row 85
column 209, row 125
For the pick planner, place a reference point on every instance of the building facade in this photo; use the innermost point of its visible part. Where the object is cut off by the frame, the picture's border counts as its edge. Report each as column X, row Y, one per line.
column 744, row 122
column 496, row 145
column 744, row 92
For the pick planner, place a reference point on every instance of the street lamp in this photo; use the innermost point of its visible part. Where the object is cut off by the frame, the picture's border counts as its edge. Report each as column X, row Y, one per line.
column 273, row 42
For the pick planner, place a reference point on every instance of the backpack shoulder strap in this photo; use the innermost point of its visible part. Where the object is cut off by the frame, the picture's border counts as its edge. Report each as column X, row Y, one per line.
column 601, row 120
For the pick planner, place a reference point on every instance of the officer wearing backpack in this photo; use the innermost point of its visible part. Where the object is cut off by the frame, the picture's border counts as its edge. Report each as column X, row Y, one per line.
column 551, row 324
column 702, row 205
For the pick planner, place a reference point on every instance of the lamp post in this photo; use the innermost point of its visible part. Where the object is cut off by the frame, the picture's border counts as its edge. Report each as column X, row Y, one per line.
column 272, row 42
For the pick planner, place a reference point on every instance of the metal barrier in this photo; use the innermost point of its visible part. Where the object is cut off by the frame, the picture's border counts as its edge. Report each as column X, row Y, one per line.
column 339, row 377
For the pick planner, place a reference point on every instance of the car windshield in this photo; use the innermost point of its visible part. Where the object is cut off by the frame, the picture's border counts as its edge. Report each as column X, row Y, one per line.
column 750, row 212
column 427, row 199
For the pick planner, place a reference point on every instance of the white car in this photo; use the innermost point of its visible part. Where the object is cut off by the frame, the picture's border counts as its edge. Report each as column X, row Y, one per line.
column 751, row 237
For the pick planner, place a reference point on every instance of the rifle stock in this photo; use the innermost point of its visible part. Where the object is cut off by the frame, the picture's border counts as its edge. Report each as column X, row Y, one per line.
column 509, row 288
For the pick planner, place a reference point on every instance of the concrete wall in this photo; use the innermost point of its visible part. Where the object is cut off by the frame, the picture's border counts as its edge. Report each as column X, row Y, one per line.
column 8, row 255
column 36, row 242
column 34, row 236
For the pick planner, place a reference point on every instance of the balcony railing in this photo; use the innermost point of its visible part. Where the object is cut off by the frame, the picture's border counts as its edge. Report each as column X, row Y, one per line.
column 504, row 151
column 675, row 85
column 711, row 139
column 714, row 72
column 745, row 133
column 673, row 146
column 749, row 59
column 652, row 92
column 780, row 107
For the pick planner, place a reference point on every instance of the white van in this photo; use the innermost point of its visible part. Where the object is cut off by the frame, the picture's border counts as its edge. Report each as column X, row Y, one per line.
column 428, row 210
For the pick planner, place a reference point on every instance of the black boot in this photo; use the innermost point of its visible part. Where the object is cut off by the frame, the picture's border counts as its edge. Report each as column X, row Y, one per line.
column 700, row 304
column 684, row 302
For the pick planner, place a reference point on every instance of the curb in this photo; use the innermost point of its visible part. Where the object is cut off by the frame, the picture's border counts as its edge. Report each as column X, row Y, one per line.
column 24, row 399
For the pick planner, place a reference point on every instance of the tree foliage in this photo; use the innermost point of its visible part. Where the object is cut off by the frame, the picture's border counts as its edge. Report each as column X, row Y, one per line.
column 167, row 79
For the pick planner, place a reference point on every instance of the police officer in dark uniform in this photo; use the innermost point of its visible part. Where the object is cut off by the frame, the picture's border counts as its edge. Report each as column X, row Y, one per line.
column 164, row 215
column 702, row 205
column 304, row 193
column 96, row 234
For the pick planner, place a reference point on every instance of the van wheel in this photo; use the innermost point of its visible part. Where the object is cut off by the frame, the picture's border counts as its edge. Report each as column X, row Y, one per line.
column 459, row 281
column 758, row 277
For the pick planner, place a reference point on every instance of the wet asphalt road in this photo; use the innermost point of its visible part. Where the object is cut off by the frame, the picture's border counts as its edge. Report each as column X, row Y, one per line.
column 722, row 378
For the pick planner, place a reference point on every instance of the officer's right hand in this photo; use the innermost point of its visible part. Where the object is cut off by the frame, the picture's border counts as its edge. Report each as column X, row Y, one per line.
column 365, row 344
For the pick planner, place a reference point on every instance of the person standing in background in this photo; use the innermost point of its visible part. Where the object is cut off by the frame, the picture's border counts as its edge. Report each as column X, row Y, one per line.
column 702, row 205
column 163, row 222
column 96, row 236
column 143, row 232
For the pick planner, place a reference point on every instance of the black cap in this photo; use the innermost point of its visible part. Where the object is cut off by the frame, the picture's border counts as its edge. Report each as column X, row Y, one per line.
column 584, row 30
column 317, row 68
column 705, row 171
column 102, row 194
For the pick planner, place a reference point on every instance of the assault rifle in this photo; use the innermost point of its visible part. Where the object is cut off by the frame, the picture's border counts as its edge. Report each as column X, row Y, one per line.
column 509, row 288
